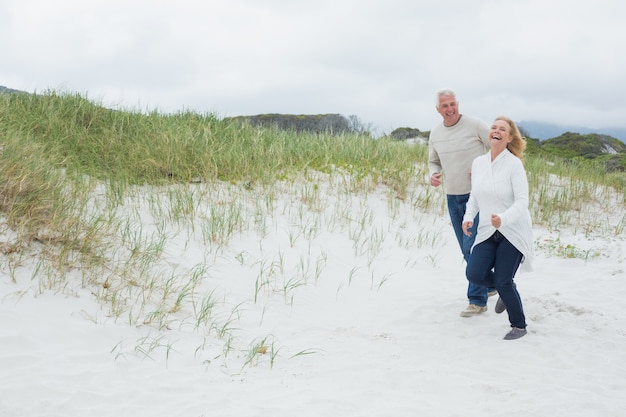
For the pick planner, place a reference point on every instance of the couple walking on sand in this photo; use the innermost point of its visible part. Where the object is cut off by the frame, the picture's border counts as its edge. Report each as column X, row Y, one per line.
column 487, row 198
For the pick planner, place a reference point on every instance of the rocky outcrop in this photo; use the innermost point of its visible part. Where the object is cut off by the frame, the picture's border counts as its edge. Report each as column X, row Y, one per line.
column 404, row 133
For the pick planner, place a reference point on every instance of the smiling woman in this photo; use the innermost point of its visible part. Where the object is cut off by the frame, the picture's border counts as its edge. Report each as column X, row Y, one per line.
column 504, row 134
column 504, row 240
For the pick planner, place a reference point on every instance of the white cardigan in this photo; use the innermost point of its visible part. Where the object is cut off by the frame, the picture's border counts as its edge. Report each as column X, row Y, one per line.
column 501, row 187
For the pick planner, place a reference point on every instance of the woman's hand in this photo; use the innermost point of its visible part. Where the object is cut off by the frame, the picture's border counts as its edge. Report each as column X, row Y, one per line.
column 496, row 221
column 466, row 226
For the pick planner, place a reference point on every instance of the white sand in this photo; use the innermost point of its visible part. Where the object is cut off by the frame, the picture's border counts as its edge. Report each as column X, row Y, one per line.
column 383, row 340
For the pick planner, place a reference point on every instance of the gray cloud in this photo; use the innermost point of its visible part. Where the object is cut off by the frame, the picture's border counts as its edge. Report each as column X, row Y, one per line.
column 555, row 61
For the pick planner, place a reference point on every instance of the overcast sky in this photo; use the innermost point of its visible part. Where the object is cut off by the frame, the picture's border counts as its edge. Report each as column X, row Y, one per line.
column 558, row 61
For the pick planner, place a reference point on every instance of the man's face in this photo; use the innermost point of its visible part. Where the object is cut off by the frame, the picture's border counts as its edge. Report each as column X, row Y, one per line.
column 448, row 108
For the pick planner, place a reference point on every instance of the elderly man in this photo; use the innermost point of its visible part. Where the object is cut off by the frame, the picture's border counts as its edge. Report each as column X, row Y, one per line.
column 453, row 145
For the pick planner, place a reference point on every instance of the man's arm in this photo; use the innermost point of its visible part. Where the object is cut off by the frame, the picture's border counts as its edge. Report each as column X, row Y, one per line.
column 482, row 130
column 434, row 165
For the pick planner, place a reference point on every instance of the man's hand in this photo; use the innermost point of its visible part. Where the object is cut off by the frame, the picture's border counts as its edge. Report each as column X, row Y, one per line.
column 466, row 226
column 435, row 179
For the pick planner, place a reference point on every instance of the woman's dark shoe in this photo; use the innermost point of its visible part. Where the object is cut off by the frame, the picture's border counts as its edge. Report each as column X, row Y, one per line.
column 500, row 307
column 515, row 333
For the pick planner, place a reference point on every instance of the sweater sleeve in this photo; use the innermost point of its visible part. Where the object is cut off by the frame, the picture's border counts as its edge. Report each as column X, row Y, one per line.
column 434, row 163
column 483, row 133
column 471, row 208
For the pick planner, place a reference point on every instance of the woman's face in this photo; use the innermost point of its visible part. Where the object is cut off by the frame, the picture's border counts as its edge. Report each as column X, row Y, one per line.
column 500, row 135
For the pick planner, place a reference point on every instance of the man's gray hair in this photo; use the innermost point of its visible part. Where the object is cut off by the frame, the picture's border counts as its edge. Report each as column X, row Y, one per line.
column 444, row 92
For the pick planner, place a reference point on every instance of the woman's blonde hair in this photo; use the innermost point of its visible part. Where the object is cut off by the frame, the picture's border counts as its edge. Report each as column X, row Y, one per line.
column 518, row 143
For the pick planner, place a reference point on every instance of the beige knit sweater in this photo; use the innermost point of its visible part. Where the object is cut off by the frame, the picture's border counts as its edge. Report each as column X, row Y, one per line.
column 451, row 151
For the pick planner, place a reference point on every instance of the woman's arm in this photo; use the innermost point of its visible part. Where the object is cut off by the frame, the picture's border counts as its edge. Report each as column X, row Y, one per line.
column 519, row 186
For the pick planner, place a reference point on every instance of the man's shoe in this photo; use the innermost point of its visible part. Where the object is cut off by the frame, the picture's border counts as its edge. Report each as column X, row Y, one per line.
column 500, row 307
column 515, row 333
column 492, row 293
column 473, row 310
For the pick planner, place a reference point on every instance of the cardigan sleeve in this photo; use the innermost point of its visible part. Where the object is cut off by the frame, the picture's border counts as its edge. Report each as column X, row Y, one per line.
column 519, row 185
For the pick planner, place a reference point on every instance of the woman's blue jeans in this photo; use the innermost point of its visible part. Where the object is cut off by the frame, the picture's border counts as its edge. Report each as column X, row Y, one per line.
column 456, row 208
column 498, row 254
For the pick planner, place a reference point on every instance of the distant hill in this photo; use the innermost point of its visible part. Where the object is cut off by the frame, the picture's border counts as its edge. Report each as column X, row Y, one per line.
column 543, row 131
column 591, row 146
column 318, row 123
column 339, row 123
column 4, row 89
column 404, row 133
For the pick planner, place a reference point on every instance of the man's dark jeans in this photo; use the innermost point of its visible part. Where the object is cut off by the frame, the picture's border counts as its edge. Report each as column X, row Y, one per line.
column 456, row 208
